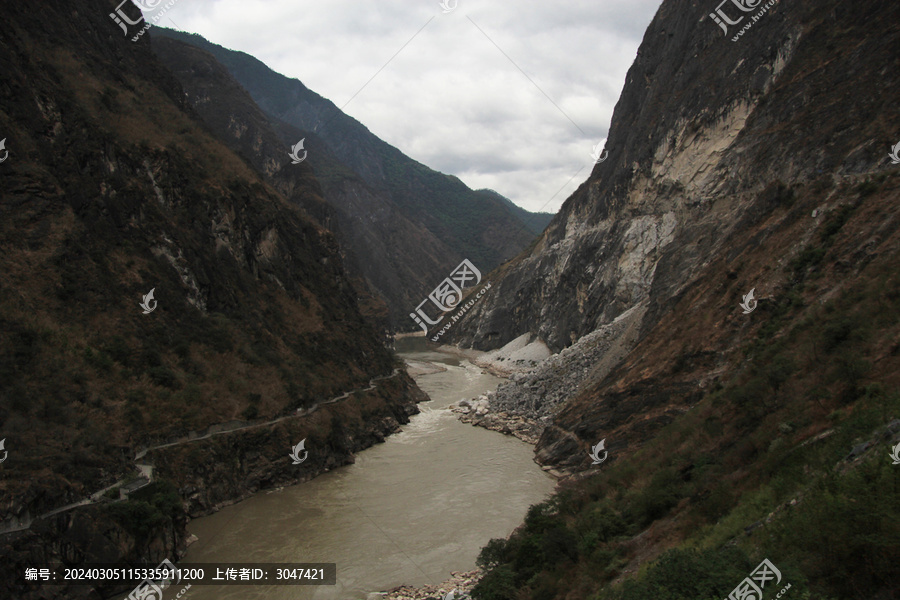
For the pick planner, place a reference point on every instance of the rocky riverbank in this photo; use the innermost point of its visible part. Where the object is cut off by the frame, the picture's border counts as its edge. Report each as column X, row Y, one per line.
column 478, row 413
column 460, row 583
column 538, row 386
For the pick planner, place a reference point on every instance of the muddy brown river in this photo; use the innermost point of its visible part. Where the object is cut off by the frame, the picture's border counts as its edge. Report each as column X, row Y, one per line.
column 410, row 511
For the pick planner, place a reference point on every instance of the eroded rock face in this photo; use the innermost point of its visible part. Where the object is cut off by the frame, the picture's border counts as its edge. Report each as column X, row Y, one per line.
column 685, row 159
column 716, row 149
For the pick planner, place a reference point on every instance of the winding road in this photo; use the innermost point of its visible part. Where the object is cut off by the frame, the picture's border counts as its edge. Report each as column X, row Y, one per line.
column 147, row 470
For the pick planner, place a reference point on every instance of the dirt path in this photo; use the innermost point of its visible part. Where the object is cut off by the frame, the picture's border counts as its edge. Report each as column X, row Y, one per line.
column 147, row 470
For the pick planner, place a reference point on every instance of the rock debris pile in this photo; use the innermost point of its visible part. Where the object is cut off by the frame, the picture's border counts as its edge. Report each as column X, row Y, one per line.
column 525, row 404
column 460, row 583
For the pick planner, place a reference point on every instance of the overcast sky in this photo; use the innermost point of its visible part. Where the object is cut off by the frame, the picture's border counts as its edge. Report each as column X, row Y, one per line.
column 507, row 96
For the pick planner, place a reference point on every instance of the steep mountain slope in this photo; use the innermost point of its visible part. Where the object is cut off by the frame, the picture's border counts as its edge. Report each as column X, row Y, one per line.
column 730, row 434
column 478, row 227
column 703, row 126
column 112, row 188
column 395, row 258
column 534, row 222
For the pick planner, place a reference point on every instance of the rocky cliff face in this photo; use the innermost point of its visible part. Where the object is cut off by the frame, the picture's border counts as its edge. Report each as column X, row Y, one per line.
column 711, row 143
column 112, row 187
column 704, row 131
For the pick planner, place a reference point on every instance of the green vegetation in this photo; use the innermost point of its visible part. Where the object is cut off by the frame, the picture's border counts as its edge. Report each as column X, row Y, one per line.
column 148, row 509
column 699, row 575
column 843, row 533
column 756, row 470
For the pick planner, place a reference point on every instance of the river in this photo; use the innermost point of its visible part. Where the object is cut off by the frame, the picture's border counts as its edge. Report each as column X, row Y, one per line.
column 409, row 511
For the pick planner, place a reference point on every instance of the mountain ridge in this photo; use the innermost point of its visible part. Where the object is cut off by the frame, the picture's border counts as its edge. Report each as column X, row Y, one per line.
column 481, row 226
column 389, row 256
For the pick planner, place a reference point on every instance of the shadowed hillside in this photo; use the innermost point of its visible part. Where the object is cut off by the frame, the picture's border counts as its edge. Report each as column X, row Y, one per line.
column 113, row 188
column 478, row 226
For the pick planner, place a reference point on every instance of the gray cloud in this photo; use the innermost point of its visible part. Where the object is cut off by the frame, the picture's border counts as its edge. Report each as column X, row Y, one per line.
column 450, row 98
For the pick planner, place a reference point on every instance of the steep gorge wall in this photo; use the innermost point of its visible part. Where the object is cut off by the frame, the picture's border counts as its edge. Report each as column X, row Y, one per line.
column 704, row 133
column 113, row 187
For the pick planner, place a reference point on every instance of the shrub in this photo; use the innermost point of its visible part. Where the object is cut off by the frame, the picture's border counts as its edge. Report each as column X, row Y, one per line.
column 164, row 376
column 119, row 350
column 182, row 349
column 558, row 544
column 851, row 368
column 134, row 416
column 750, row 395
column 841, row 329
column 151, row 357
column 544, row 586
column 687, row 574
column 808, row 257
column 493, row 554
column 655, row 500
column 215, row 333
column 867, row 188
column 135, row 396
column 137, row 517
column 497, row 584
column 597, row 525
column 98, row 359
column 779, row 371
column 541, row 517
column 528, row 558
column 148, row 509
column 858, row 511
